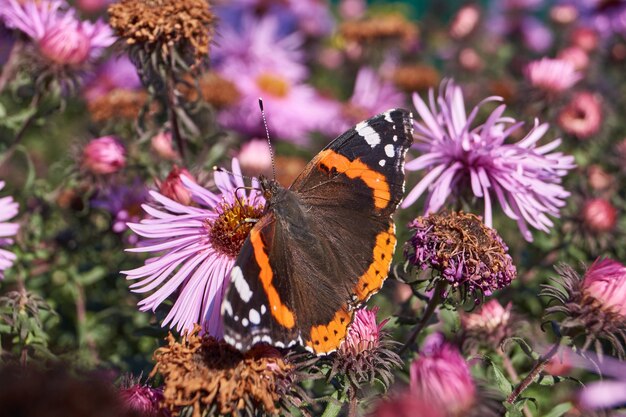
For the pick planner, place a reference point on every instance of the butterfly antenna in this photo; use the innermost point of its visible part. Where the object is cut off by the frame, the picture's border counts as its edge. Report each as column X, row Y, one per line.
column 267, row 134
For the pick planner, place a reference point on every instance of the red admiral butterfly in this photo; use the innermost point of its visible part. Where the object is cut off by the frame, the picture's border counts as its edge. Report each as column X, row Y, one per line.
column 324, row 245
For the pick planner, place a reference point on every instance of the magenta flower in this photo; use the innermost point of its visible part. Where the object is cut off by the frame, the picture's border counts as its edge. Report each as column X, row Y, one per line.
column 582, row 117
column 61, row 38
column 123, row 202
column 105, row 155
column 605, row 281
column 441, row 377
column 8, row 210
column 195, row 247
column 523, row 177
column 552, row 75
column 143, row 400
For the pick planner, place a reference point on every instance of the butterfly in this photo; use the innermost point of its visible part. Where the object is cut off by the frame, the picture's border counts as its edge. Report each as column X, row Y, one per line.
column 322, row 246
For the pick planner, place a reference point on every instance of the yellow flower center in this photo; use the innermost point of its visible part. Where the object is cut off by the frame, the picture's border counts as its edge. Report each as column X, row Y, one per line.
column 273, row 85
column 228, row 232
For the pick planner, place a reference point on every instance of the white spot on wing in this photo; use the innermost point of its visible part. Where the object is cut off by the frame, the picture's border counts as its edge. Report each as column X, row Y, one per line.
column 389, row 150
column 395, row 138
column 263, row 309
column 254, row 316
column 244, row 322
column 227, row 308
column 368, row 133
column 242, row 287
column 382, row 162
column 388, row 117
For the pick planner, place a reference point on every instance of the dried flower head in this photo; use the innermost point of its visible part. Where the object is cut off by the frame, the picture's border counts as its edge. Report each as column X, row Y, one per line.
column 163, row 26
column 593, row 307
column 388, row 27
column 366, row 354
column 411, row 78
column 118, row 104
column 218, row 91
column 462, row 252
column 210, row 375
column 488, row 327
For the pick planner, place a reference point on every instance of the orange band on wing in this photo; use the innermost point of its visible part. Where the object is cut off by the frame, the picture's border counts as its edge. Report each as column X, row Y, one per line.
column 357, row 169
column 372, row 280
column 326, row 338
column 281, row 312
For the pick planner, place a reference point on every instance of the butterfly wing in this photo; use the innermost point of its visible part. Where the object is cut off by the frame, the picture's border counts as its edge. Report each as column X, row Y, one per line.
column 326, row 245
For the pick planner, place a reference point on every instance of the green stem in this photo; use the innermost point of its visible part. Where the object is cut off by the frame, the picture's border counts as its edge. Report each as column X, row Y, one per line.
column 20, row 133
column 539, row 366
column 430, row 309
column 333, row 408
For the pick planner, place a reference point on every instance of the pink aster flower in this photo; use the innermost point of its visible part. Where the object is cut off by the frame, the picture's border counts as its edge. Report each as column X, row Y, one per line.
column 582, row 117
column 8, row 210
column 605, row 281
column 364, row 332
column 441, row 377
column 294, row 109
column 62, row 39
column 524, row 178
column 552, row 75
column 599, row 215
column 195, row 247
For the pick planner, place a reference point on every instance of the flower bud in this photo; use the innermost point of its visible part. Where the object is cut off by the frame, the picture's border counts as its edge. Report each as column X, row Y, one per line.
column 441, row 377
column 105, row 155
column 605, row 281
column 598, row 178
column 161, row 144
column 599, row 215
column 582, row 117
column 143, row 400
column 174, row 188
column 489, row 326
column 465, row 21
column 255, row 157
column 585, row 38
column 66, row 44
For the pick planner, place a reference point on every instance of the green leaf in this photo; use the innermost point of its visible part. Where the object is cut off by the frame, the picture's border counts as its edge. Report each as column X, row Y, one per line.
column 91, row 276
column 501, row 380
column 514, row 410
column 559, row 410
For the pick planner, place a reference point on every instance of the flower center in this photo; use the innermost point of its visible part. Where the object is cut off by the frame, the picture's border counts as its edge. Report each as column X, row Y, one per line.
column 273, row 85
column 228, row 232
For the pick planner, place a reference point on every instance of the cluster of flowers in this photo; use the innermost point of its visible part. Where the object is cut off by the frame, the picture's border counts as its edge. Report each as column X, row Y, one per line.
column 161, row 117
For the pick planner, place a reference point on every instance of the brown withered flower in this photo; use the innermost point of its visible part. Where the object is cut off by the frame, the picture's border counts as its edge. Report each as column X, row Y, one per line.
column 118, row 104
column 205, row 374
column 163, row 26
column 211, row 88
column 389, row 27
column 412, row 78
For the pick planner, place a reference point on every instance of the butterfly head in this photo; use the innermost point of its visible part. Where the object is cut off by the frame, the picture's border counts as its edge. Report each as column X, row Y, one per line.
column 269, row 187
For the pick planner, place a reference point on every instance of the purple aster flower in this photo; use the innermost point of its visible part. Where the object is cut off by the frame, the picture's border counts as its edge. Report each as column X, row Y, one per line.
column 196, row 246
column 8, row 210
column 258, row 43
column 116, row 72
column 372, row 95
column 62, row 39
column 123, row 201
column 525, row 178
